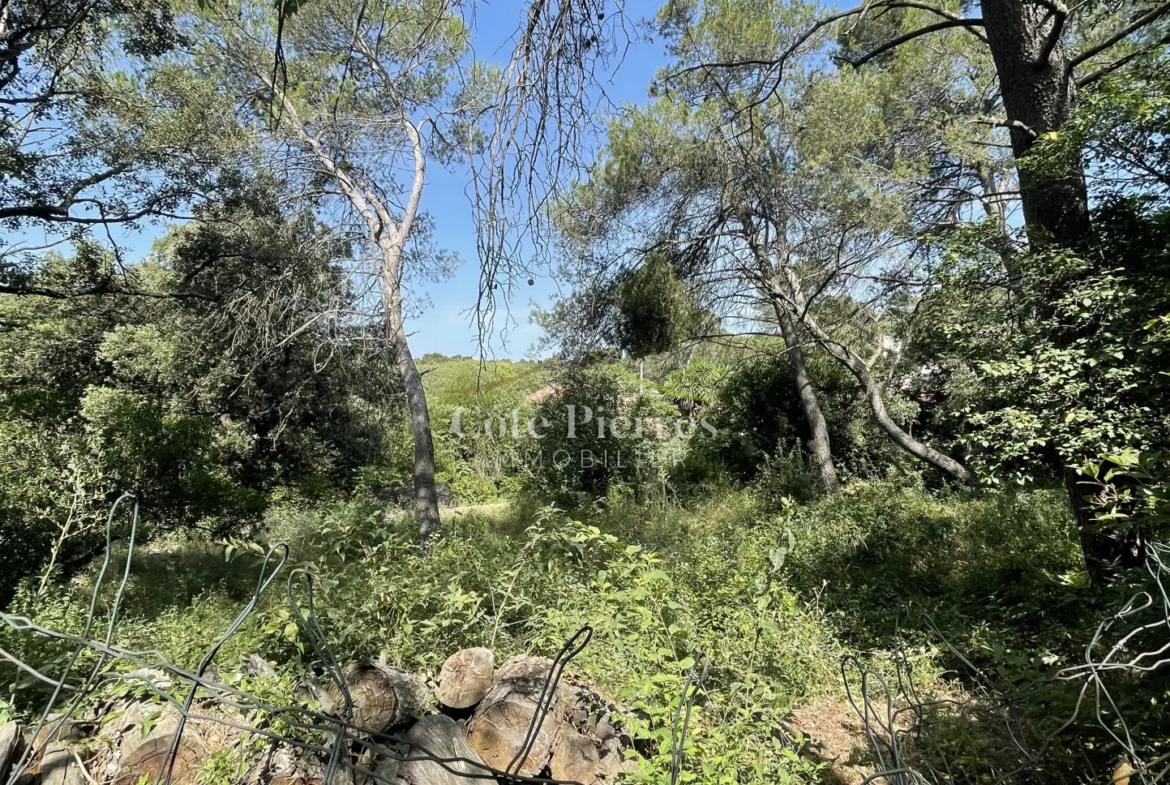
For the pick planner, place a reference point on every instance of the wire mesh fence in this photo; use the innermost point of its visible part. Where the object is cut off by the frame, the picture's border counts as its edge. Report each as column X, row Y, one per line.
column 896, row 717
column 1132, row 642
column 332, row 737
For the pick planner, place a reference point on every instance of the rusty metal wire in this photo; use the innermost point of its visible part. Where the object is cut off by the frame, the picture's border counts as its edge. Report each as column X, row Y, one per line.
column 892, row 713
column 328, row 736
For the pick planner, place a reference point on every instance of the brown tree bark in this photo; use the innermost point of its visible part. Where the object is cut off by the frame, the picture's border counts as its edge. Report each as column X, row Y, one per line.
column 819, row 446
column 1038, row 93
column 1039, row 90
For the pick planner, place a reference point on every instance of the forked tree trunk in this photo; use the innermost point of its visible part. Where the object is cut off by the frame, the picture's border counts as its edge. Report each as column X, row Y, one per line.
column 818, row 443
column 798, row 311
column 919, row 449
column 390, row 237
column 819, row 446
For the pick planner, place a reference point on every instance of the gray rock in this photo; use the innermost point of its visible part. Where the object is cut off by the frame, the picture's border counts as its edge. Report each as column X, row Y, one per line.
column 155, row 679
column 143, row 720
column 604, row 730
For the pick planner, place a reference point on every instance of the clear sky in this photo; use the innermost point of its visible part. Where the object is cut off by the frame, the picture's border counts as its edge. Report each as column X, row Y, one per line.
column 446, row 326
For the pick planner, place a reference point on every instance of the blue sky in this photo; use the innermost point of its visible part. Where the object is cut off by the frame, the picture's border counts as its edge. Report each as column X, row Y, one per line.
column 446, row 326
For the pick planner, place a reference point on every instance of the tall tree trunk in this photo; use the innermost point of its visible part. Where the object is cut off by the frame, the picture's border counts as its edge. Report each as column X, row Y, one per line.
column 426, row 498
column 1038, row 92
column 818, row 443
column 390, row 237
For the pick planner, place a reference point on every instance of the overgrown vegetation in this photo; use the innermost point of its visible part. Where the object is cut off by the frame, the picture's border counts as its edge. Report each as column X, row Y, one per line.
column 858, row 363
column 776, row 597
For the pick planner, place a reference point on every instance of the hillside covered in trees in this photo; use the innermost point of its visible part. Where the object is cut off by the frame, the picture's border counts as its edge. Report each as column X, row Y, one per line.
column 841, row 456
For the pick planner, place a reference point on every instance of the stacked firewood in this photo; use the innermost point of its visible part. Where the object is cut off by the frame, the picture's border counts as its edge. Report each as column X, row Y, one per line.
column 474, row 718
column 484, row 714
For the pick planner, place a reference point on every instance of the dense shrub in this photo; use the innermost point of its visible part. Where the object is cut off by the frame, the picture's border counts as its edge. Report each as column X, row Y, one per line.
column 762, row 428
column 775, row 599
column 201, row 405
column 597, row 435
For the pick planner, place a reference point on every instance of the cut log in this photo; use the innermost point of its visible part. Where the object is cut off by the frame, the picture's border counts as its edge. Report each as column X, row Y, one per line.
column 500, row 724
column 386, row 772
column 415, row 699
column 498, row 731
column 10, row 739
column 383, row 696
column 59, row 766
column 153, row 756
column 575, row 758
column 382, row 770
column 466, row 677
column 438, row 736
column 375, row 705
column 523, row 675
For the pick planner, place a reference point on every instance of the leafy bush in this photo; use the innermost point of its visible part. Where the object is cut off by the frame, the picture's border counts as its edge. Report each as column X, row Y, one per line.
column 762, row 427
column 199, row 409
column 774, row 599
column 597, row 435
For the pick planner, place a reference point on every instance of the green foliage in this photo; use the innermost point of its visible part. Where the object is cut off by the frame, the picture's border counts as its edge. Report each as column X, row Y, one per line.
column 200, row 404
column 1078, row 373
column 1120, row 130
column 696, row 383
column 479, row 413
column 774, row 600
column 226, row 381
column 762, row 429
column 653, row 309
column 96, row 131
column 600, row 433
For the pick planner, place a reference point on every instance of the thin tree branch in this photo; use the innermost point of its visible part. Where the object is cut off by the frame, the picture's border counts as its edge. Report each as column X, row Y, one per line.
column 907, row 37
column 1085, row 81
column 1112, row 40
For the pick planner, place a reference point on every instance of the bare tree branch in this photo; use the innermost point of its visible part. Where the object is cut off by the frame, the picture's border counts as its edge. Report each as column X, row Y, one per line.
column 894, row 43
column 1137, row 24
